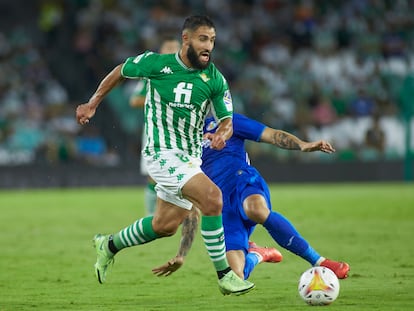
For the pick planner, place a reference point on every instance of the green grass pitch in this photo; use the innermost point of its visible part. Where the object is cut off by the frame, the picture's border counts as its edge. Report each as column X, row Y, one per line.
column 46, row 254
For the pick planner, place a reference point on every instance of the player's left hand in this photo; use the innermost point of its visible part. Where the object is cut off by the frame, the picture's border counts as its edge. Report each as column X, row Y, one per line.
column 170, row 267
column 321, row 145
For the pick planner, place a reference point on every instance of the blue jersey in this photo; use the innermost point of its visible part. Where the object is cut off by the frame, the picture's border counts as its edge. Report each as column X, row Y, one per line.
column 221, row 165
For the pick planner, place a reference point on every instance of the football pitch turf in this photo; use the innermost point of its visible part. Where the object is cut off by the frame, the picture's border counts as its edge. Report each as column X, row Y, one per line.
column 46, row 254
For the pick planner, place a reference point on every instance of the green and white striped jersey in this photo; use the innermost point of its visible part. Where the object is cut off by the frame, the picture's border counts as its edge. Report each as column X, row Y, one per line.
column 177, row 101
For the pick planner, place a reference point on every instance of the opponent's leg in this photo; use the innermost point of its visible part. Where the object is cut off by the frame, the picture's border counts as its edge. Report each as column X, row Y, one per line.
column 265, row 254
column 201, row 191
column 240, row 264
column 285, row 234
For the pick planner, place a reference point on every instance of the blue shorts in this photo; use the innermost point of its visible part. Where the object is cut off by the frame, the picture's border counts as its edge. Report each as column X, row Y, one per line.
column 237, row 226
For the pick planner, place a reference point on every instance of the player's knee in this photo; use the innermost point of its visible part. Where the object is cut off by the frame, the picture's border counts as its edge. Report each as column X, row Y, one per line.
column 256, row 208
column 213, row 203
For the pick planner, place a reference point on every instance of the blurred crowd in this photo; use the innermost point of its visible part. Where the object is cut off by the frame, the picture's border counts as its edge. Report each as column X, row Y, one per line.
column 337, row 70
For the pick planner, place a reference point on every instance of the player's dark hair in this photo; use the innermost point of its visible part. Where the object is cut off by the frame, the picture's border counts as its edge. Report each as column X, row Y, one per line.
column 193, row 22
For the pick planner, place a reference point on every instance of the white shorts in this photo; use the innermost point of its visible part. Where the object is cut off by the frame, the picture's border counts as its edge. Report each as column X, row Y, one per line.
column 171, row 170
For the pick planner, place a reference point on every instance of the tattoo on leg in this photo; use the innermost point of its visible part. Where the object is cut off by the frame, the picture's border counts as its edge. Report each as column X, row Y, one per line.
column 189, row 229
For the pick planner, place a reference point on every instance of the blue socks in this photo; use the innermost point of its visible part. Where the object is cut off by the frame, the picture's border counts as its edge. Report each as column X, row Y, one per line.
column 251, row 262
column 283, row 232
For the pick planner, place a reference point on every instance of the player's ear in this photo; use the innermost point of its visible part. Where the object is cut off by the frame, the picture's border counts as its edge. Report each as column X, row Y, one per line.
column 185, row 37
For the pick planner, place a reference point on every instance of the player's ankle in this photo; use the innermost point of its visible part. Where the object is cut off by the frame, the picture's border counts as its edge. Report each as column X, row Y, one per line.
column 319, row 261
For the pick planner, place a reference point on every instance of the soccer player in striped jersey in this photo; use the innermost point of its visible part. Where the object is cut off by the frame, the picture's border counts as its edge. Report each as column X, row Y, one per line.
column 182, row 89
column 246, row 201
column 137, row 100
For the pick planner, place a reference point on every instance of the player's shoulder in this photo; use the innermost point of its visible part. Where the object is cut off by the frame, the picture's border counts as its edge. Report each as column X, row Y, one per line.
column 244, row 124
column 151, row 57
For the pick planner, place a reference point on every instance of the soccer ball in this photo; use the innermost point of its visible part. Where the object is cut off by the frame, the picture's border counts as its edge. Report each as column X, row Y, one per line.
column 318, row 286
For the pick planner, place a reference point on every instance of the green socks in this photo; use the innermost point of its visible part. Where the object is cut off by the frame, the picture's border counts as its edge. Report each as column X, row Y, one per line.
column 140, row 232
column 213, row 236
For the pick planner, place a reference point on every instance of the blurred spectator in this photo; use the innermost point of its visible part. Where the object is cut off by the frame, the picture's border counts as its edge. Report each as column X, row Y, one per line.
column 323, row 113
column 91, row 148
column 374, row 146
column 275, row 54
column 339, row 103
column 90, row 144
column 362, row 105
column 50, row 18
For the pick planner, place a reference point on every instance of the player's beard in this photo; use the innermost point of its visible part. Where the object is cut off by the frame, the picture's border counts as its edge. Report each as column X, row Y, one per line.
column 194, row 60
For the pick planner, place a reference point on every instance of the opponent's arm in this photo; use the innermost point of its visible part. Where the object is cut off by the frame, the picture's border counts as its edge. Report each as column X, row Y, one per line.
column 224, row 132
column 289, row 141
column 86, row 111
column 188, row 231
column 137, row 101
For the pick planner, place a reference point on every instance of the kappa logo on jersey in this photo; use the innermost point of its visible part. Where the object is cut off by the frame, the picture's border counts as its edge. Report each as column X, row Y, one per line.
column 228, row 101
column 166, row 70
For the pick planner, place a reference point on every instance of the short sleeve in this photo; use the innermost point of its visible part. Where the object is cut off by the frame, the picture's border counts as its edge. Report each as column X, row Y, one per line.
column 139, row 66
column 222, row 100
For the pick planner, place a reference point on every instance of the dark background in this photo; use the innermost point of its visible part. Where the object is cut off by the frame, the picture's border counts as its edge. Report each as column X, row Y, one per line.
column 335, row 70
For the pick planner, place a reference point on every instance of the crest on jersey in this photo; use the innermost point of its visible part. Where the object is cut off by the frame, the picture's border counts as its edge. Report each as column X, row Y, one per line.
column 204, row 77
column 211, row 126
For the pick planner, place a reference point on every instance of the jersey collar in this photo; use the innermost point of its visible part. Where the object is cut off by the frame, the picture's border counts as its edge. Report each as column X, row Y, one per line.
column 177, row 57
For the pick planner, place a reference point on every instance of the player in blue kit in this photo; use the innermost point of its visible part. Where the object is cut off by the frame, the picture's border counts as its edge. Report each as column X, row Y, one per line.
column 246, row 201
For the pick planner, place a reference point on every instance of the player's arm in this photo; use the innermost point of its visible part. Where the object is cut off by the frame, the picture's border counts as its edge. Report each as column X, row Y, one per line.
column 223, row 133
column 188, row 232
column 86, row 111
column 137, row 101
column 289, row 141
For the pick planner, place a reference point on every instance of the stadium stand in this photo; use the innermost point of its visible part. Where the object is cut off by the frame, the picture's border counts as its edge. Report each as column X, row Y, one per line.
column 320, row 69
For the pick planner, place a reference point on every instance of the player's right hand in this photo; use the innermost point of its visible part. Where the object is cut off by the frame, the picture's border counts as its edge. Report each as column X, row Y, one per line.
column 170, row 267
column 84, row 113
column 321, row 145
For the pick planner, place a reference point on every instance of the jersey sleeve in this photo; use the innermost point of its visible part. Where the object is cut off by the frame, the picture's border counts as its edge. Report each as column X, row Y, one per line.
column 247, row 128
column 221, row 99
column 139, row 66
